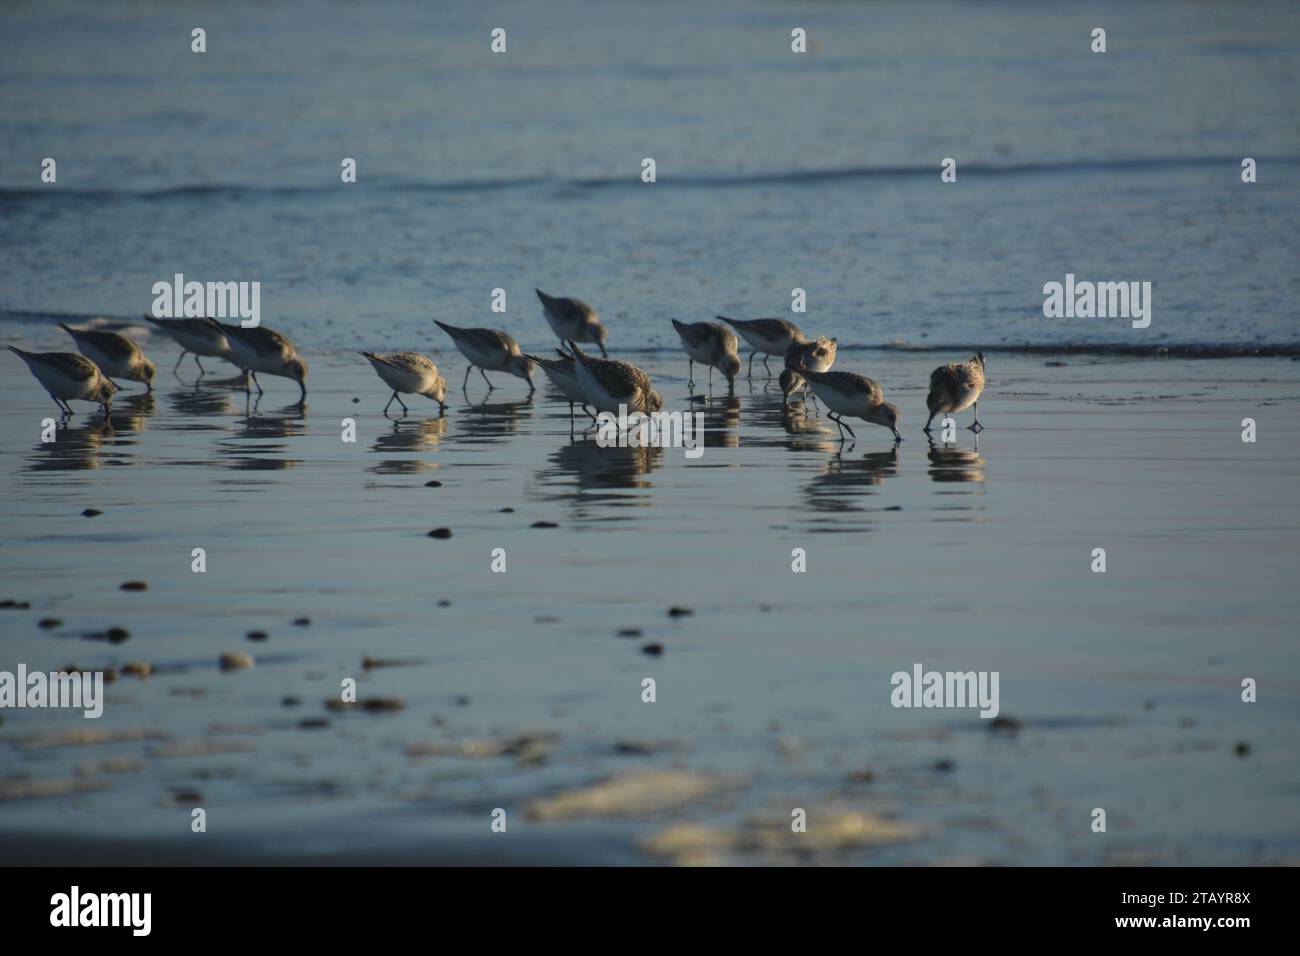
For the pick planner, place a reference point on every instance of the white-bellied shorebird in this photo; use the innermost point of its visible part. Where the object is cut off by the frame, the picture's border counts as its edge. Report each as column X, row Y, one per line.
column 769, row 336
column 67, row 376
column 609, row 384
column 489, row 350
column 710, row 344
column 116, row 355
column 955, row 388
column 563, row 374
column 573, row 320
column 847, row 393
column 817, row 356
column 409, row 373
column 196, row 337
column 260, row 349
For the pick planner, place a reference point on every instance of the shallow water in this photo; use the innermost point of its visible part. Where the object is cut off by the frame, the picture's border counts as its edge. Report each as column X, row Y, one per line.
column 959, row 557
column 775, row 172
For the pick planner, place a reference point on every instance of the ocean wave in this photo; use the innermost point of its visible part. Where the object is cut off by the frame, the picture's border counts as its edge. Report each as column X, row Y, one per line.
column 686, row 181
column 1205, row 350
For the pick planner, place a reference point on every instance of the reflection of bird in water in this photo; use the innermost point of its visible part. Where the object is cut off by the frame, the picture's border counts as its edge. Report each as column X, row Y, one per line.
column 955, row 388
column 845, row 481
column 75, row 449
column 489, row 422
column 257, row 427
column 600, row 468
column 408, row 437
column 198, row 402
column 131, row 414
column 721, row 423
column 948, row 463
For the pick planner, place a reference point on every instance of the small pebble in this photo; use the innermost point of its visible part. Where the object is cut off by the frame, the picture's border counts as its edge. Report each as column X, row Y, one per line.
column 136, row 669
column 10, row 604
column 135, row 586
column 356, row 401
column 314, row 723
column 1242, row 749
column 256, row 635
column 944, row 765
column 679, row 611
column 444, row 603
column 543, row 524
column 433, row 484
column 91, row 512
column 861, row 776
column 116, row 635
column 440, row 533
column 49, row 622
column 302, row 622
column 654, row 650
column 507, row 511
column 236, row 661
column 462, row 700
column 630, row 632
column 379, row 705
column 290, row 701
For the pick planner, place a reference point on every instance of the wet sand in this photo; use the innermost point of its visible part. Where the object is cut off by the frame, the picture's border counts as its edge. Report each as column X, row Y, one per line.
column 1122, row 690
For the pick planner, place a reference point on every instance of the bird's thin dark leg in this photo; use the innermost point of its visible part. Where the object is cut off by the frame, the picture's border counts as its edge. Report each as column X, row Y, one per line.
column 178, row 362
column 486, row 379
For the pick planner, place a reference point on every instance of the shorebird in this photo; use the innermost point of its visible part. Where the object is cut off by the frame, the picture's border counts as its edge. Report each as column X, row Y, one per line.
column 955, row 388
column 116, row 355
column 609, row 384
column 573, row 320
column 563, row 375
column 712, row 345
column 66, row 376
column 816, row 356
column 260, row 349
column 194, row 336
column 769, row 336
column 489, row 350
column 412, row 373
column 847, row 393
